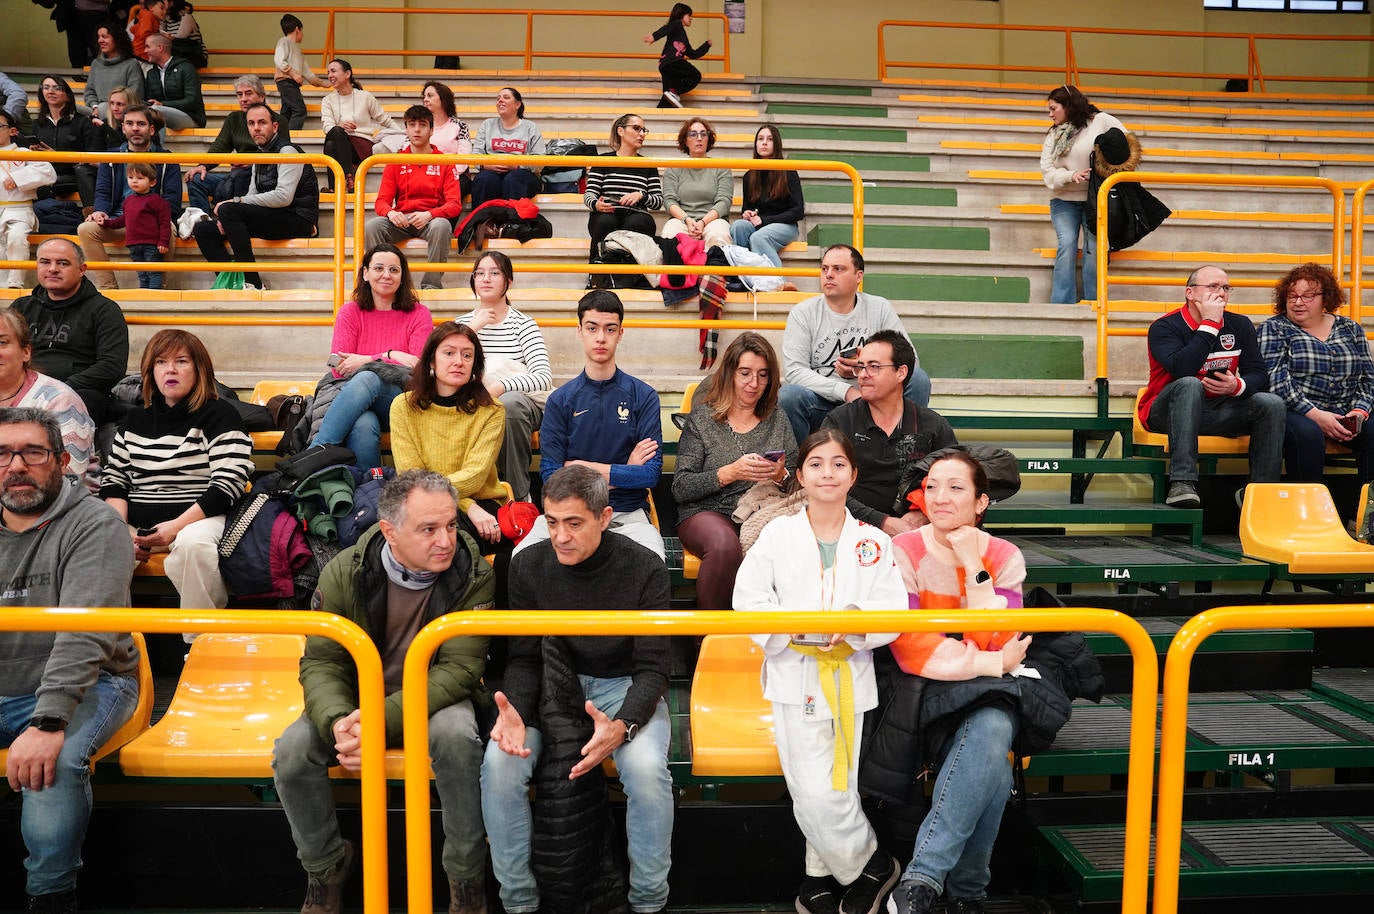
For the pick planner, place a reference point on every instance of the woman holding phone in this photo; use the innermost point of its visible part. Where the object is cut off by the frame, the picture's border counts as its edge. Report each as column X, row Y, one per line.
column 823, row 559
column 734, row 437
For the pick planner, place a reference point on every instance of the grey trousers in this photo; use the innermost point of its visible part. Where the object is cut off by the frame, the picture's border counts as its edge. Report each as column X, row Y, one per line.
column 437, row 234
column 523, row 418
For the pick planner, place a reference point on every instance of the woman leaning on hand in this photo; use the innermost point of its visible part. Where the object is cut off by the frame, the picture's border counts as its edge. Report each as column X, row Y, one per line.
column 734, row 437
column 1319, row 364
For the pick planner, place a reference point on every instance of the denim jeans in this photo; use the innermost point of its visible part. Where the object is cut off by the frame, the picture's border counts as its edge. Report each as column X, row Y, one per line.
column 147, row 253
column 516, row 184
column 954, row 843
column 53, row 820
column 1304, row 450
column 764, row 239
column 358, row 416
column 643, row 769
column 1067, row 217
column 806, row 409
column 1184, row 412
column 203, row 192
column 301, row 760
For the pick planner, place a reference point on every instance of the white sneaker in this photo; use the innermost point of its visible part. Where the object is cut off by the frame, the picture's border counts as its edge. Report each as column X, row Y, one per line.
column 673, row 99
column 187, row 223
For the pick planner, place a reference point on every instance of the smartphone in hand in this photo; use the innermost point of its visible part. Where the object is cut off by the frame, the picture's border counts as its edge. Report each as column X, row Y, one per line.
column 774, row 456
column 812, row 639
column 146, row 531
column 1351, row 423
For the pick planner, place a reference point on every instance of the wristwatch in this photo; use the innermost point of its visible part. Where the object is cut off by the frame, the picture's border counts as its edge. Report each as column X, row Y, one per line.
column 631, row 731
column 48, row 724
column 982, row 577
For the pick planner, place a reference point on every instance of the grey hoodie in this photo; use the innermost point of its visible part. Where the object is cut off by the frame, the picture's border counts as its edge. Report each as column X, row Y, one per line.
column 78, row 554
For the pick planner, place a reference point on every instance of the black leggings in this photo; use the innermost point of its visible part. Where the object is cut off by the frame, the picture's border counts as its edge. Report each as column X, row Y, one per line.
column 599, row 225
column 678, row 76
column 499, row 551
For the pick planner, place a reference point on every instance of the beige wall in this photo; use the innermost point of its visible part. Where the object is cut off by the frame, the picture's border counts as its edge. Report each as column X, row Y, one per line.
column 795, row 38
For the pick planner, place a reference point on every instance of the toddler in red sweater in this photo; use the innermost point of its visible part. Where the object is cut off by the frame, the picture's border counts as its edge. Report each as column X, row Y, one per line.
column 147, row 222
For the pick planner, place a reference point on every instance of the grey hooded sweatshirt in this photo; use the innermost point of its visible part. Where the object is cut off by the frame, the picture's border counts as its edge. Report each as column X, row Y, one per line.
column 78, row 554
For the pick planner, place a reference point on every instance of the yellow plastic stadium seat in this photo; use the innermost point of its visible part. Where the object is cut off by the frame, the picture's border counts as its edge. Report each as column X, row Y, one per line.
column 143, row 710
column 691, row 563
column 732, row 724
column 1206, row 444
column 236, row 695
column 1297, row 524
column 151, row 567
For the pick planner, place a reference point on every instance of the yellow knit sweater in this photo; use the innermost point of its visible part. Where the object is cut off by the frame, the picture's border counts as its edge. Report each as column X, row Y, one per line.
column 462, row 446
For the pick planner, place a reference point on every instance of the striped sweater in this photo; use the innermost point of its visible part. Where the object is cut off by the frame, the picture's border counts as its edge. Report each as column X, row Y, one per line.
column 78, row 430
column 164, row 460
column 518, row 339
column 611, row 182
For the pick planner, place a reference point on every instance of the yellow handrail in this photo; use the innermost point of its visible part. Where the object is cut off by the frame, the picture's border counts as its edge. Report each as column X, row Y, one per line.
column 1357, row 251
column 1145, row 677
column 309, row 160
column 361, row 211
column 1072, row 70
column 1102, row 301
column 1174, row 728
column 371, row 691
column 528, row 54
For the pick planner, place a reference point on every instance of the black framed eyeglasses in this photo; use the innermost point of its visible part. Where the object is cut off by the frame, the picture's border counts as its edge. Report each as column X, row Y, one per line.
column 32, row 456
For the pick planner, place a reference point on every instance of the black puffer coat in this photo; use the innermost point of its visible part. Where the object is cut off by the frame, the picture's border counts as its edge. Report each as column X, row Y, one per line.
column 575, row 855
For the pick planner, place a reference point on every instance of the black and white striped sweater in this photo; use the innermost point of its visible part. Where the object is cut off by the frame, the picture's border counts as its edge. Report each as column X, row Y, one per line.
column 612, row 182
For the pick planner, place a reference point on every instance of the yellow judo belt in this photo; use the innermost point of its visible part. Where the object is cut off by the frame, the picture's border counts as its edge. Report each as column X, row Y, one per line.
column 837, row 685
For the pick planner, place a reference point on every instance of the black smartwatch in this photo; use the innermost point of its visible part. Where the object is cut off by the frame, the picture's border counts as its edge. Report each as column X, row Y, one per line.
column 982, row 577
column 631, row 731
column 48, row 724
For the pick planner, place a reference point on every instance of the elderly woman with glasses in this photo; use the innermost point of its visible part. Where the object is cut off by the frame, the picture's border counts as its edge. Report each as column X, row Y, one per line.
column 1319, row 364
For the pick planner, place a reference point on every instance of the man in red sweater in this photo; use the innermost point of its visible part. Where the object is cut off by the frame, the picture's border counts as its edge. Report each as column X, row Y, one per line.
column 418, row 200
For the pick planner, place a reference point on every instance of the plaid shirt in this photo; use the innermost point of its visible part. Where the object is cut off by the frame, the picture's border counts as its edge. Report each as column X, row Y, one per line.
column 1336, row 374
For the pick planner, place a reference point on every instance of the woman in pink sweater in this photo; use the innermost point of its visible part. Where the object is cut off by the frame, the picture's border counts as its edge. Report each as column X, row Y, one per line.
column 384, row 325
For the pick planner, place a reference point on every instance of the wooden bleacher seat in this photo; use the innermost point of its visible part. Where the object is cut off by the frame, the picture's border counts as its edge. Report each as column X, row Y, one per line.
column 732, row 723
column 1297, row 525
column 138, row 721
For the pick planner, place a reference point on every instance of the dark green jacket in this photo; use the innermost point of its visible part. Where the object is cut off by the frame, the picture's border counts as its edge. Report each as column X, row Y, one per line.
column 180, row 89
column 354, row 585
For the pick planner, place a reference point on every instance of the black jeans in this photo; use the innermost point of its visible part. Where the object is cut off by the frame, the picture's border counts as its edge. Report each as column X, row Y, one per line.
column 242, row 223
column 292, row 105
column 678, row 76
column 599, row 225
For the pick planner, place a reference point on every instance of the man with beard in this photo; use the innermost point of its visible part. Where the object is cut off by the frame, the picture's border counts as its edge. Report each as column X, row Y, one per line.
column 62, row 694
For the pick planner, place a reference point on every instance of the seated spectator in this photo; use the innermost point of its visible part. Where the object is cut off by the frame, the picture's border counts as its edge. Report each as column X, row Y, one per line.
column 408, row 570
column 517, row 364
column 448, row 422
column 891, row 434
column 352, row 119
column 178, row 464
column 112, row 192
column 450, row 132
column 79, row 335
column 621, row 196
column 203, row 189
column 59, row 128
column 542, row 722
column 698, row 199
column 290, row 71
column 773, row 204
column 1207, row 377
column 65, row 694
column 20, row 183
column 110, row 129
column 181, row 27
column 383, row 325
column 607, row 420
column 735, row 437
column 820, row 344
column 172, row 86
column 15, row 101
column 1319, row 365
column 22, row 386
column 145, row 21
column 507, row 134
column 283, row 201
column 114, row 66
column 418, row 201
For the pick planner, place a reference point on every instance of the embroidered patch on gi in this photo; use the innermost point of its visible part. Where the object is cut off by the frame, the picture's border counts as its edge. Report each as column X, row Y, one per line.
column 1227, row 340
column 868, row 552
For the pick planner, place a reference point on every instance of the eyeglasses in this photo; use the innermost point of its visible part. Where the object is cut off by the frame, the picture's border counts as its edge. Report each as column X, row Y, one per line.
column 699, row 134
column 637, row 128
column 487, row 274
column 1304, row 297
column 32, row 456
column 872, row 367
column 51, row 87
column 748, row 374
column 1213, row 287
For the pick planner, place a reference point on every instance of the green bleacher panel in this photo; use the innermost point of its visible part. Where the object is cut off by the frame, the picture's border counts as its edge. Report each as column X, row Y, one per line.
column 1004, row 355
column 825, row 110
column 944, row 287
column 801, row 89
column 881, row 196
column 934, row 237
column 846, row 134
column 864, row 162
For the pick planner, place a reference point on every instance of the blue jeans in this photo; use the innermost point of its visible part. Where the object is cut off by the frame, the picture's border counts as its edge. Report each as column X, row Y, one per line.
column 203, row 192
column 1304, row 449
column 516, row 184
column 765, row 239
column 147, row 253
column 1184, row 412
column 53, row 820
column 300, row 771
column 954, row 843
column 1067, row 217
column 643, row 769
column 357, row 417
column 806, row 409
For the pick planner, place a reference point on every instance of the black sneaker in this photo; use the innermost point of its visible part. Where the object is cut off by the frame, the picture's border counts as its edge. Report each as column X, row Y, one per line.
column 56, row 903
column 866, row 893
column 965, row 906
column 817, row 896
column 1183, row 495
column 912, row 897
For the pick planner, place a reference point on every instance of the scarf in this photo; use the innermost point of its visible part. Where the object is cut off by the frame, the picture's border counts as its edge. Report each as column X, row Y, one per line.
column 402, row 576
column 1063, row 135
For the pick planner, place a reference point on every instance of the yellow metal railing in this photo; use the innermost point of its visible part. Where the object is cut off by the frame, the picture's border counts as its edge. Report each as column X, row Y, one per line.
column 528, row 53
column 310, row 160
column 371, row 691
column 1174, row 729
column 1145, row 679
column 1357, row 223
column 1072, row 70
column 1103, row 305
